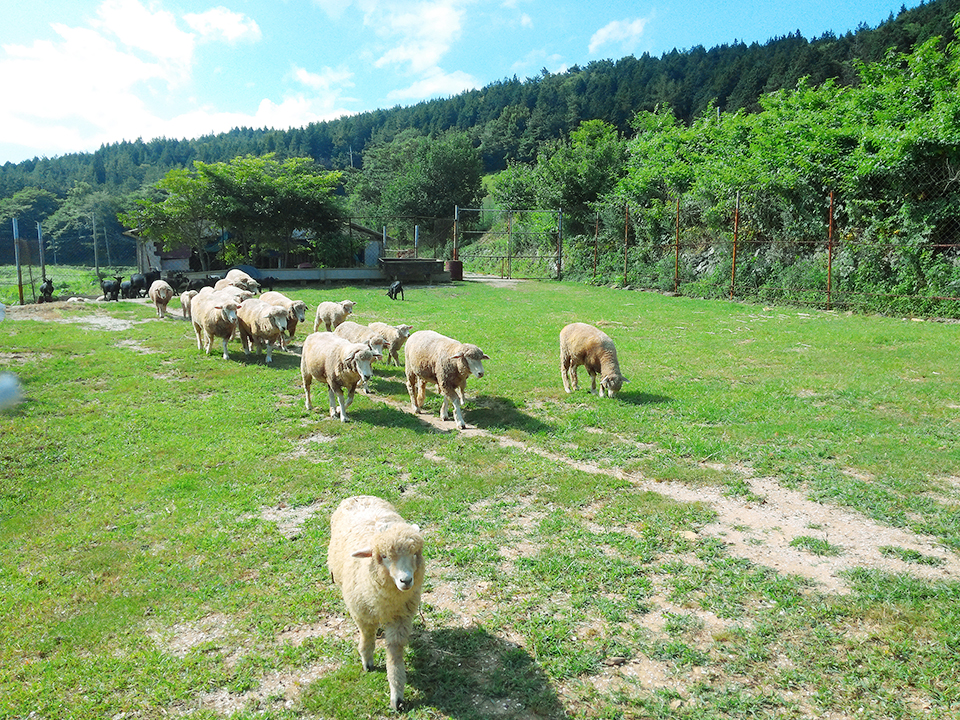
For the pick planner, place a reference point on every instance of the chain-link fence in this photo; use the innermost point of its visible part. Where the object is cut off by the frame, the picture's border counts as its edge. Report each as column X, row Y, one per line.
column 521, row 244
column 820, row 251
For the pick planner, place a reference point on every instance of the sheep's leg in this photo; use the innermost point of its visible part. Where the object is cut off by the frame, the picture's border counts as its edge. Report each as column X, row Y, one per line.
column 198, row 331
column 341, row 404
column 226, row 355
column 368, row 636
column 396, row 637
column 307, row 379
column 350, row 395
column 457, row 410
column 593, row 383
column 332, row 398
column 412, row 389
column 396, row 674
column 565, row 374
column 270, row 350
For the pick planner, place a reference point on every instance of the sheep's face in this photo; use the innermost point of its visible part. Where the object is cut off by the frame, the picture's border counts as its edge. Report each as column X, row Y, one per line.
column 404, row 330
column 278, row 318
column 612, row 384
column 402, row 568
column 363, row 359
column 230, row 312
column 473, row 357
column 300, row 310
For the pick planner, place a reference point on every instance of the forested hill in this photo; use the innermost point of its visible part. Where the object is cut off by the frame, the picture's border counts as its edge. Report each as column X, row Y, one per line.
column 510, row 119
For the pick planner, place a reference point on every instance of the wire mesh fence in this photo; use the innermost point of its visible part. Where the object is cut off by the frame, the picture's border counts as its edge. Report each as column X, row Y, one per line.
column 519, row 244
column 818, row 252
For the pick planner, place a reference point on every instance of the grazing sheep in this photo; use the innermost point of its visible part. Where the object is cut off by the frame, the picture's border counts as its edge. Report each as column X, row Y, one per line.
column 432, row 357
column 337, row 362
column 214, row 316
column 185, row 298
column 582, row 344
column 331, row 314
column 395, row 335
column 260, row 324
column 160, row 294
column 296, row 310
column 376, row 558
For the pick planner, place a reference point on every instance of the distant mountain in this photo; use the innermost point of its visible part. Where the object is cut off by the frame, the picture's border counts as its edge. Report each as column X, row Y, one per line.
column 511, row 118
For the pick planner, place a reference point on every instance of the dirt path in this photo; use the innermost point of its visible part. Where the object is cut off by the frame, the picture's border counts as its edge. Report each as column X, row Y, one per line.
column 761, row 531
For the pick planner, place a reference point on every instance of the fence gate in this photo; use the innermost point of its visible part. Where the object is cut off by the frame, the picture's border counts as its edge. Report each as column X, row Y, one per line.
column 519, row 244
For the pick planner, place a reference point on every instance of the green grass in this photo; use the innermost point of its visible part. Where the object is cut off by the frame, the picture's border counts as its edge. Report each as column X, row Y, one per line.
column 140, row 576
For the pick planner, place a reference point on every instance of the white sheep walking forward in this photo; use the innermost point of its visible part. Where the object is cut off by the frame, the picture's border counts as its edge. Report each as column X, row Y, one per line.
column 186, row 297
column 396, row 336
column 431, row 357
column 376, row 558
column 582, row 344
column 261, row 325
column 355, row 332
column 331, row 314
column 213, row 316
column 296, row 310
column 338, row 363
column 160, row 294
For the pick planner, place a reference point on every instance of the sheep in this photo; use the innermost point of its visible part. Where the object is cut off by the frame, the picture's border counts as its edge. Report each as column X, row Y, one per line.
column 185, row 298
column 238, row 278
column 238, row 293
column 260, row 324
column 355, row 332
column 214, row 316
column 396, row 336
column 376, row 558
column 296, row 309
column 582, row 344
column 337, row 362
column 331, row 314
column 161, row 294
column 432, row 357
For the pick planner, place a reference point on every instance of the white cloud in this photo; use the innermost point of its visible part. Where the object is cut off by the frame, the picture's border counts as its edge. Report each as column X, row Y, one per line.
column 419, row 34
column 526, row 21
column 625, row 32
column 221, row 23
column 91, row 84
column 153, row 33
column 435, row 84
column 324, row 81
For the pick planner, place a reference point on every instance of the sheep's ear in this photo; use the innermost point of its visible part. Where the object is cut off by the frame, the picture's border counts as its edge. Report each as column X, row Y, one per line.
column 457, row 356
column 365, row 553
column 484, row 357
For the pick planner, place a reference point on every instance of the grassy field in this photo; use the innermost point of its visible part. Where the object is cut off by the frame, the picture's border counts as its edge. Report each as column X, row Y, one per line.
column 765, row 523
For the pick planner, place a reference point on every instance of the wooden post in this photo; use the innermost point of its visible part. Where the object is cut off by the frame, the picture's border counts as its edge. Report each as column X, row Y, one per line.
column 676, row 259
column 830, row 255
column 736, row 227
column 596, row 239
column 626, row 241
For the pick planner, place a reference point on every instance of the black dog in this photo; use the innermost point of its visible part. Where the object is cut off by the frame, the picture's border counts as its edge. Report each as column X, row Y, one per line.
column 395, row 289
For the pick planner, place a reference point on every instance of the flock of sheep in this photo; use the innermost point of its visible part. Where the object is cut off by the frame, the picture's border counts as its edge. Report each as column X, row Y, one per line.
column 374, row 555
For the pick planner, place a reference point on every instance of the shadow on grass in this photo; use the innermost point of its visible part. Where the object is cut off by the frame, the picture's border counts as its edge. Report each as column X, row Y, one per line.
column 469, row 674
column 492, row 411
column 641, row 398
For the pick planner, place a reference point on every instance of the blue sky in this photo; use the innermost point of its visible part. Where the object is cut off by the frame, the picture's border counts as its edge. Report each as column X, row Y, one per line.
column 76, row 74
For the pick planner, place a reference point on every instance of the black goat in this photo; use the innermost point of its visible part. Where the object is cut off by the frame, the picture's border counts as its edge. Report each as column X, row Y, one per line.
column 396, row 288
column 111, row 288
